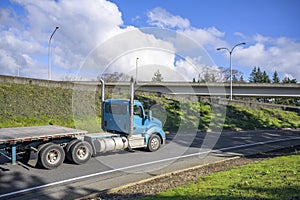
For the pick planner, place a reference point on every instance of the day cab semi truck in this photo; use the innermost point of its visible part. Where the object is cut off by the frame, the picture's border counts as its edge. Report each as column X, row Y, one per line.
column 125, row 126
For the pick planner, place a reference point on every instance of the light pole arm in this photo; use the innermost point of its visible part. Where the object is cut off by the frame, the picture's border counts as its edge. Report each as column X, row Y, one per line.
column 49, row 53
column 53, row 34
column 224, row 48
column 243, row 43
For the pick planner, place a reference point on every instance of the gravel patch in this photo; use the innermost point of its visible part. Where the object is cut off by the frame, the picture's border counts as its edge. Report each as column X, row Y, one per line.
column 161, row 183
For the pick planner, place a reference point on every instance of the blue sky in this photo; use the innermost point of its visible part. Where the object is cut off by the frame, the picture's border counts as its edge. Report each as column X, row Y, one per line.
column 269, row 27
column 273, row 18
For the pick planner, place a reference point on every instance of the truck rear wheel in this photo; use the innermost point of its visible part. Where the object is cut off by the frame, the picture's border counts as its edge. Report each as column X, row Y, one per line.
column 81, row 152
column 154, row 143
column 68, row 149
column 51, row 156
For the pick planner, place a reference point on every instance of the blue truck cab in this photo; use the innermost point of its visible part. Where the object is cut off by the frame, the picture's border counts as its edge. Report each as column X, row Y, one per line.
column 116, row 119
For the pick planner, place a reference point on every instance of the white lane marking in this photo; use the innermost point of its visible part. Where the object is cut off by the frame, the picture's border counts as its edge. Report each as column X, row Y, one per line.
column 144, row 164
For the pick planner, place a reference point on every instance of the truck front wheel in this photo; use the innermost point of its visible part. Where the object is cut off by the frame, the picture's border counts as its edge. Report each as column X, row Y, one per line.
column 154, row 143
column 51, row 156
column 81, row 152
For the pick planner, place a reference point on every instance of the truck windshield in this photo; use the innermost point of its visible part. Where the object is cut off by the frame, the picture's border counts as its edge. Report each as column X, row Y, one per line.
column 117, row 109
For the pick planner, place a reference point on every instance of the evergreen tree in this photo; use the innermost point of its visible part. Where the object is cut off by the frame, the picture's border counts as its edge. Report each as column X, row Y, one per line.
column 252, row 77
column 265, row 78
column 259, row 76
column 275, row 78
column 157, row 77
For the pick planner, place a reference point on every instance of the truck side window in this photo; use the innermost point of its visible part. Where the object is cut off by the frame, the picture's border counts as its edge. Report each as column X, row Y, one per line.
column 117, row 109
column 137, row 110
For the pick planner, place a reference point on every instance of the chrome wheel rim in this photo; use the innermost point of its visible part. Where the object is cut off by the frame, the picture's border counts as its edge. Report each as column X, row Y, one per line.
column 53, row 156
column 155, row 143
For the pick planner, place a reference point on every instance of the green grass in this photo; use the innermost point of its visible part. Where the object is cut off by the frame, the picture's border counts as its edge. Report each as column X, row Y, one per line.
column 28, row 105
column 242, row 118
column 276, row 178
column 202, row 116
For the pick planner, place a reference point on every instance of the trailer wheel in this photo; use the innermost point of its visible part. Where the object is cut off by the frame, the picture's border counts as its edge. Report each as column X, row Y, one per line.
column 81, row 152
column 68, row 149
column 40, row 148
column 51, row 156
column 154, row 143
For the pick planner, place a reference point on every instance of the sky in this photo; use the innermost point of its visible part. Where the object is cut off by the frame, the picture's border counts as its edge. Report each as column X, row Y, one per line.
column 99, row 36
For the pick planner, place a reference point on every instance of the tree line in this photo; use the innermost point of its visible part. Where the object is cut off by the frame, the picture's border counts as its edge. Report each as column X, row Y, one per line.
column 256, row 76
column 259, row 76
column 214, row 75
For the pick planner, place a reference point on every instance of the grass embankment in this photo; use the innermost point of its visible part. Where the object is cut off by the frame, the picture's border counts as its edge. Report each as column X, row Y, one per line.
column 28, row 105
column 276, row 178
column 203, row 116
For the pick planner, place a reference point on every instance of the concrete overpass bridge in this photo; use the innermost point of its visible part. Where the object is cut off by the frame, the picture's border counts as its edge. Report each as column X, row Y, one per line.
column 216, row 89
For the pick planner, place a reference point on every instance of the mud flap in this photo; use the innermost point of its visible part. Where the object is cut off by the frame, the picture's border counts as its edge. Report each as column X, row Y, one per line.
column 33, row 158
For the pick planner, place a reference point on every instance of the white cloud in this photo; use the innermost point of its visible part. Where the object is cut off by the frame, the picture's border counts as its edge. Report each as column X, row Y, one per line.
column 209, row 37
column 280, row 54
column 162, row 18
column 82, row 26
column 120, row 53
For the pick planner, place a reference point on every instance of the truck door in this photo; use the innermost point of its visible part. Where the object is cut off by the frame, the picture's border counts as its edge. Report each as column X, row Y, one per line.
column 138, row 120
column 116, row 117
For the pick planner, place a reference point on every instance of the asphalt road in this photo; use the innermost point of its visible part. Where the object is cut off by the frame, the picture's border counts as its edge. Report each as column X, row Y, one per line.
column 115, row 169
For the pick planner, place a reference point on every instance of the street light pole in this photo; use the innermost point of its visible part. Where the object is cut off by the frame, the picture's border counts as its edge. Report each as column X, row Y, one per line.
column 136, row 70
column 49, row 53
column 230, row 60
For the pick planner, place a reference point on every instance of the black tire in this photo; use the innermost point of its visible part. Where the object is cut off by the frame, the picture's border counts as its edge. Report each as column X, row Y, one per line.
column 154, row 143
column 41, row 147
column 51, row 156
column 68, row 149
column 81, row 152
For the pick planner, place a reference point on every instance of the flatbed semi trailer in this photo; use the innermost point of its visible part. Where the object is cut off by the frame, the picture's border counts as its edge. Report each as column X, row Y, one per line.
column 21, row 140
column 125, row 125
column 54, row 144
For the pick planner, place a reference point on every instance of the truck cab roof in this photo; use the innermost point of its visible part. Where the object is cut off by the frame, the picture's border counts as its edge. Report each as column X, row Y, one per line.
column 122, row 101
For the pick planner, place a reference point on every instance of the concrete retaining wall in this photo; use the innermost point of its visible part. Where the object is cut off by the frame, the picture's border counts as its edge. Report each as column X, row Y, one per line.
column 37, row 82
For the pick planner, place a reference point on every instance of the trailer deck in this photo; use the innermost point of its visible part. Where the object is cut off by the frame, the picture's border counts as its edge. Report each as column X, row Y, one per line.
column 20, row 134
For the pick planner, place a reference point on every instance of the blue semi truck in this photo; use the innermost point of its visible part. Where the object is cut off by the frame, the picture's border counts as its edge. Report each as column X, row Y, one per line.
column 125, row 125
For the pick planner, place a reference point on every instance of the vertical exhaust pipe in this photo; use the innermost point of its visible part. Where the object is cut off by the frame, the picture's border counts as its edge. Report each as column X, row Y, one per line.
column 130, row 133
column 102, row 90
column 131, row 108
column 102, row 101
